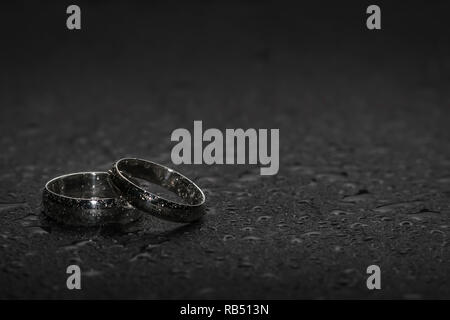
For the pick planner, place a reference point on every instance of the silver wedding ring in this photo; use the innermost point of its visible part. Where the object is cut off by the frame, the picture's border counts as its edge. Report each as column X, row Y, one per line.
column 129, row 175
column 86, row 199
column 122, row 194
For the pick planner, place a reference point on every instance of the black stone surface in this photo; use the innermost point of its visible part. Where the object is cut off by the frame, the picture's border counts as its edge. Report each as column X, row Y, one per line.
column 364, row 147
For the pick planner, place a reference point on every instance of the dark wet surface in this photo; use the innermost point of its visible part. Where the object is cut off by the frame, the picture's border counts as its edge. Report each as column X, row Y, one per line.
column 364, row 152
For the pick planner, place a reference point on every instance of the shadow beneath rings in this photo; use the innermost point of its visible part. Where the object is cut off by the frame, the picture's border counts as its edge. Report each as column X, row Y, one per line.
column 147, row 228
column 158, row 235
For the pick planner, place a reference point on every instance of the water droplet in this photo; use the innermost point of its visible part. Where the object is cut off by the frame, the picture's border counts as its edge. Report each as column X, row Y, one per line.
column 142, row 256
column 211, row 211
column 282, row 226
column 338, row 212
column 444, row 180
column 404, row 251
column 29, row 221
column 405, row 224
column 358, row 225
column 399, row 206
column 245, row 263
column 312, row 234
column 92, row 273
column 77, row 244
column 251, row 238
column 361, row 196
column 269, row 275
column 37, row 231
column 257, row 209
column 263, row 218
column 11, row 205
column 248, row 176
column 75, row 260
column 205, row 291
column 228, row 237
column 439, row 232
column 331, row 177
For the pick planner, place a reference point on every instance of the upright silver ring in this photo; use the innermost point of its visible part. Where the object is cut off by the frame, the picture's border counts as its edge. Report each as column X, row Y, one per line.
column 126, row 173
column 86, row 199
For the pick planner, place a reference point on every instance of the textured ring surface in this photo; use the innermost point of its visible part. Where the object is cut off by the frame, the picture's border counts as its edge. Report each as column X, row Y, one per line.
column 86, row 199
column 127, row 173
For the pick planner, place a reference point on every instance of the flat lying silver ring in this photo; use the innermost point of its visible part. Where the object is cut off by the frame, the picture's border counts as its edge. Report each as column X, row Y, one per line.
column 86, row 199
column 126, row 173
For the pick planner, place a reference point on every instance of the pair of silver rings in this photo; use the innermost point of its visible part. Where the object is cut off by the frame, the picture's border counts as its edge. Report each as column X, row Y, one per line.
column 121, row 195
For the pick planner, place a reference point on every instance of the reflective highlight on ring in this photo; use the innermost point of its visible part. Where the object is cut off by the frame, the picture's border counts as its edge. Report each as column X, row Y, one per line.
column 126, row 173
column 86, row 199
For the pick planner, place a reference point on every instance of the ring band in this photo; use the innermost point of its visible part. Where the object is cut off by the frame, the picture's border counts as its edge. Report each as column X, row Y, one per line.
column 125, row 175
column 86, row 199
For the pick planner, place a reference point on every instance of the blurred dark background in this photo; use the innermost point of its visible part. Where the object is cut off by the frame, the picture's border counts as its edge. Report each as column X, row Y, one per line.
column 364, row 155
